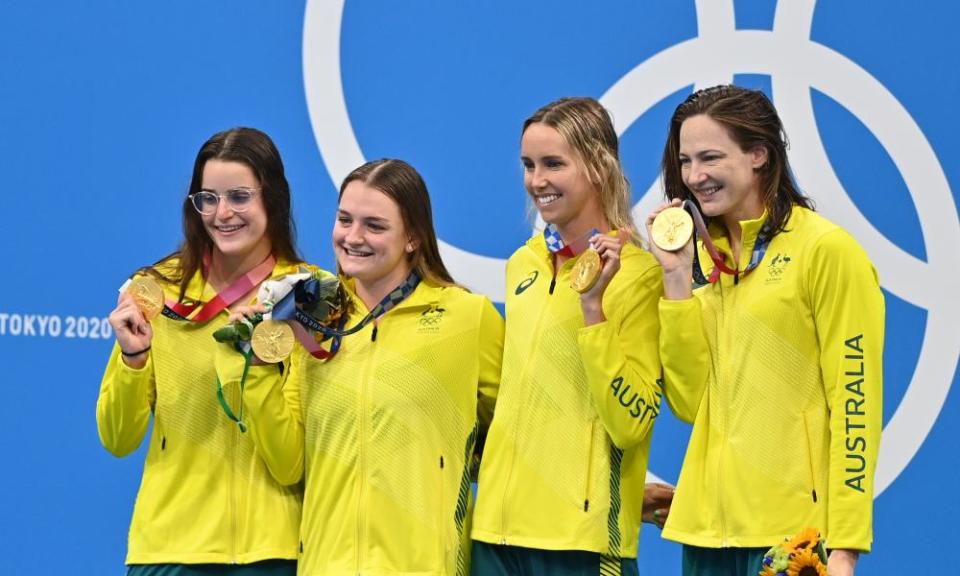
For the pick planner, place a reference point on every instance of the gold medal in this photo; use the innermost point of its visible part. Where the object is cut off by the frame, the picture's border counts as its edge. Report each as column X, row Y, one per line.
column 272, row 341
column 672, row 229
column 586, row 271
column 148, row 295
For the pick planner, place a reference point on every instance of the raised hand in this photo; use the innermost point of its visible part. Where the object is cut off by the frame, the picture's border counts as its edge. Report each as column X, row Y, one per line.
column 677, row 266
column 133, row 332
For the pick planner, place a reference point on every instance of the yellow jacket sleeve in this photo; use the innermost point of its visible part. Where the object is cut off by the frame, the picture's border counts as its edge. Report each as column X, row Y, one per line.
column 491, row 356
column 622, row 362
column 127, row 397
column 271, row 402
column 849, row 315
column 685, row 354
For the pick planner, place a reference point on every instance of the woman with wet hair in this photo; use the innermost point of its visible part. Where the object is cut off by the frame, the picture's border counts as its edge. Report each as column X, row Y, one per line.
column 783, row 331
column 562, row 477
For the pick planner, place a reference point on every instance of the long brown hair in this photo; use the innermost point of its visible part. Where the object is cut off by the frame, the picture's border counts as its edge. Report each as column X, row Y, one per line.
column 750, row 120
column 256, row 150
column 403, row 184
column 587, row 128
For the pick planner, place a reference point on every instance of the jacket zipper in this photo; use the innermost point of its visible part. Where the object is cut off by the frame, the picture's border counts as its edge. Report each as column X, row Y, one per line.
column 721, row 373
column 516, row 435
column 361, row 437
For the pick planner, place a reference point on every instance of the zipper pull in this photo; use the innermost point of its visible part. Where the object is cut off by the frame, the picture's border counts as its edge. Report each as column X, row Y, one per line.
column 373, row 335
column 553, row 284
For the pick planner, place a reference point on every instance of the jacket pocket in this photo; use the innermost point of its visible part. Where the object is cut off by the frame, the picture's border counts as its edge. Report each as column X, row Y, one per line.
column 811, row 470
column 589, row 471
column 442, row 514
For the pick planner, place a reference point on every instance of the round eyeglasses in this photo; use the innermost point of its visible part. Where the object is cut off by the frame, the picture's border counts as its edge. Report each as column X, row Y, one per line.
column 238, row 200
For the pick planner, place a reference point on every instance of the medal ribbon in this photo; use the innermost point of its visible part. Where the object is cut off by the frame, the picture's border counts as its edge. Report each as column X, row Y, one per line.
column 238, row 418
column 396, row 296
column 290, row 309
column 700, row 228
column 241, row 286
column 556, row 246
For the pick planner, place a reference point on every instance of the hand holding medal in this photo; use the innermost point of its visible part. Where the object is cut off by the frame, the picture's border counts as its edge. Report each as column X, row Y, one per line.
column 670, row 243
column 596, row 265
column 672, row 229
column 148, row 294
column 586, row 271
column 269, row 328
column 141, row 300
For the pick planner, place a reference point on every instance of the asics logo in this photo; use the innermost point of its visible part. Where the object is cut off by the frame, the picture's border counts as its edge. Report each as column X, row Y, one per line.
column 528, row 282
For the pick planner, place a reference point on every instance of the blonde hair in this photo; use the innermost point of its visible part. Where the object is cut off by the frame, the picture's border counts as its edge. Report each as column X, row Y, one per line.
column 587, row 128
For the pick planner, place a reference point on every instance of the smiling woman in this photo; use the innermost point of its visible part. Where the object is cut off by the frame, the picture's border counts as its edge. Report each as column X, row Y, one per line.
column 791, row 332
column 562, row 479
column 235, row 219
column 212, row 500
column 392, row 421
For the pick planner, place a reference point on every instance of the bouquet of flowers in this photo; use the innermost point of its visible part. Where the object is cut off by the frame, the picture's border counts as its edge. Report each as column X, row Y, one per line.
column 802, row 555
column 307, row 297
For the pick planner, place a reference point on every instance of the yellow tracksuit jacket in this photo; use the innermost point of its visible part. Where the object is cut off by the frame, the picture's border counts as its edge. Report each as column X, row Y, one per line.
column 391, row 423
column 207, row 493
column 787, row 433
column 566, row 457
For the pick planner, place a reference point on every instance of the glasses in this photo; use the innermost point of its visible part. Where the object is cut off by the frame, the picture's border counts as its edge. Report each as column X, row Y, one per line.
column 238, row 200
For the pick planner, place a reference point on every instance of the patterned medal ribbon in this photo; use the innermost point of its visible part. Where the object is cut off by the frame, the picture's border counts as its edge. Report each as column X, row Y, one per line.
column 396, row 296
column 555, row 244
column 236, row 290
column 700, row 228
column 290, row 308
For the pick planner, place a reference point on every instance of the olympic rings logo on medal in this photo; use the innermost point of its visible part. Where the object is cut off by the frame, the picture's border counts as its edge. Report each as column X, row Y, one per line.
column 795, row 64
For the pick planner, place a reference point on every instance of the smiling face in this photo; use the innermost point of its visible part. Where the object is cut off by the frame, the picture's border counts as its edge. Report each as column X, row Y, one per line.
column 557, row 183
column 718, row 173
column 369, row 238
column 240, row 236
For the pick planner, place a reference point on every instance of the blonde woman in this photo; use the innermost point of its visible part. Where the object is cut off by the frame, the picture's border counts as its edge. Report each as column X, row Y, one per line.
column 562, row 477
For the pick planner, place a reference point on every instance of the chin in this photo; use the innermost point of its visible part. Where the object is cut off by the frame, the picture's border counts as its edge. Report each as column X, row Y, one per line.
column 552, row 217
column 352, row 269
column 232, row 249
column 711, row 208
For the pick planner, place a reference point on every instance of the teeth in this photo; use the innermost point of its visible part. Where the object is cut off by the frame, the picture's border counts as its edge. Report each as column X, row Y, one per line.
column 709, row 191
column 547, row 199
column 356, row 252
column 229, row 228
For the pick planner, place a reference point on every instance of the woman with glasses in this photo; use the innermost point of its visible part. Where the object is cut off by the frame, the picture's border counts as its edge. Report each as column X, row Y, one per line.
column 562, row 477
column 213, row 499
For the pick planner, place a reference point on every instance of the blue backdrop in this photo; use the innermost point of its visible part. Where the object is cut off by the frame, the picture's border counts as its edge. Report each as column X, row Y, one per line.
column 103, row 106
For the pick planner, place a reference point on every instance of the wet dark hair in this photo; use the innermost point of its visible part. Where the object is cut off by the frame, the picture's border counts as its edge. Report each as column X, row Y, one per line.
column 750, row 120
